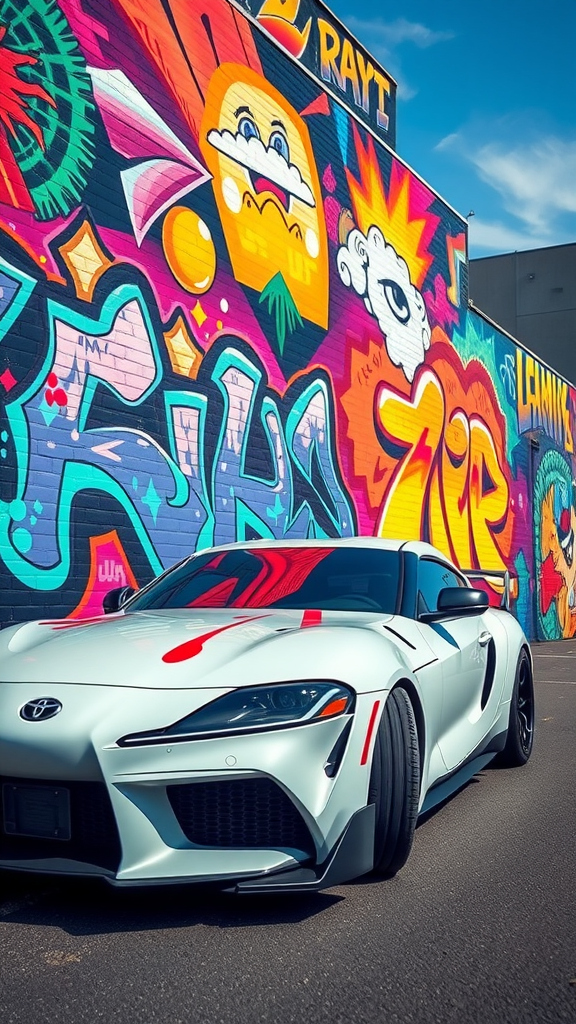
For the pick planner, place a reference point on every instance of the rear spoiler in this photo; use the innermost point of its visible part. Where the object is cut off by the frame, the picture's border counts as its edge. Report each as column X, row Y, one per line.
column 502, row 582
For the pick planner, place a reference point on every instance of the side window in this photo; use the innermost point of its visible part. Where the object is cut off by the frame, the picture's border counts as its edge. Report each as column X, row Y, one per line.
column 432, row 578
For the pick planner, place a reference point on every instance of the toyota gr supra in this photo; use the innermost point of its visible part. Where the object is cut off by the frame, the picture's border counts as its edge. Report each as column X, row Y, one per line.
column 269, row 716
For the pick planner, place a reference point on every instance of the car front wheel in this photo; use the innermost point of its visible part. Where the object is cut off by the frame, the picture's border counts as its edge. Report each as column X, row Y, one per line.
column 395, row 783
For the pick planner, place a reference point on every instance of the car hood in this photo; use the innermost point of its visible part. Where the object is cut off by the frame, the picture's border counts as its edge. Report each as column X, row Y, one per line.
column 185, row 648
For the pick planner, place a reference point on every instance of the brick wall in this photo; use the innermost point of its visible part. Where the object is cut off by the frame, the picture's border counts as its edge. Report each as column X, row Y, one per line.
column 227, row 310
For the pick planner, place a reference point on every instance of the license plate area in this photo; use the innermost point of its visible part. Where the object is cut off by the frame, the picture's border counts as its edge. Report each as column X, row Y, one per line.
column 38, row 812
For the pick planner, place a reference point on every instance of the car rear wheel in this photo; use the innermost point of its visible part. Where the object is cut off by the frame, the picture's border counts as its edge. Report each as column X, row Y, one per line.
column 520, row 736
column 395, row 783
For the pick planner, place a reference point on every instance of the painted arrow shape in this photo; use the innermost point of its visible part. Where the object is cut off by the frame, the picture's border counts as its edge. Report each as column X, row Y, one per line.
column 106, row 450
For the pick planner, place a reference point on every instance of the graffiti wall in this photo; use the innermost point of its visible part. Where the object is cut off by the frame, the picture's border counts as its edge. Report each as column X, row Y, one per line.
column 228, row 310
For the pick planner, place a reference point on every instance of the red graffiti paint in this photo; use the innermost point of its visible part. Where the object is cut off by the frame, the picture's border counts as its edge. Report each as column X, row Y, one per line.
column 551, row 583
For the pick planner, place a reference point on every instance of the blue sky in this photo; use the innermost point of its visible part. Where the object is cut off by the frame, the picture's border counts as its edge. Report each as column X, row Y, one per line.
column 486, row 108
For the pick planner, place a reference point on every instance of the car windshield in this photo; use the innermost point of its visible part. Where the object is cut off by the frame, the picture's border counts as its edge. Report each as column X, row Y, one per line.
column 348, row 579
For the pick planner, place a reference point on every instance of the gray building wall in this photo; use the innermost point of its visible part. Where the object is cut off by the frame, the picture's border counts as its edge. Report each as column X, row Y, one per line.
column 532, row 295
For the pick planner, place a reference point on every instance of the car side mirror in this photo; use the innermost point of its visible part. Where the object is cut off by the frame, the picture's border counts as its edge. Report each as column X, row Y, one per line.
column 114, row 599
column 455, row 601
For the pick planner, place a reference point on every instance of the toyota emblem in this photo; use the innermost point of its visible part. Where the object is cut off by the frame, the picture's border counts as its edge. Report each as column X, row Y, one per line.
column 40, row 709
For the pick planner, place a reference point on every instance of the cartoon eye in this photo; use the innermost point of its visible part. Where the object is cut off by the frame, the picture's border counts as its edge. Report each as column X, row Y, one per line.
column 396, row 299
column 248, row 129
column 278, row 142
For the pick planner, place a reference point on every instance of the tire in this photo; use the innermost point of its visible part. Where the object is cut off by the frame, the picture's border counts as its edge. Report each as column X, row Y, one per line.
column 520, row 735
column 395, row 784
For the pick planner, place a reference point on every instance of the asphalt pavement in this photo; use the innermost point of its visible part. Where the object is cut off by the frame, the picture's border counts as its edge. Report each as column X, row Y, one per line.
column 478, row 928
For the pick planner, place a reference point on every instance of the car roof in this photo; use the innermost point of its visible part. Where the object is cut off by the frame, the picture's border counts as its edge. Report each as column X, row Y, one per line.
column 419, row 548
column 311, row 542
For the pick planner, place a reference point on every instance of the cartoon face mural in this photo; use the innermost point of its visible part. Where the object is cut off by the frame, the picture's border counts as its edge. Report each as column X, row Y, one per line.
column 381, row 277
column 555, row 525
column 384, row 257
column 267, row 189
column 227, row 312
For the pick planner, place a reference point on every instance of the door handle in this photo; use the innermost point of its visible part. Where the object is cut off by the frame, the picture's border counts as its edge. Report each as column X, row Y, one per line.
column 484, row 638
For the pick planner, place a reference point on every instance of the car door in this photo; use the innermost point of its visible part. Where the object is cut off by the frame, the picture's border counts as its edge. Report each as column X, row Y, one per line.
column 462, row 644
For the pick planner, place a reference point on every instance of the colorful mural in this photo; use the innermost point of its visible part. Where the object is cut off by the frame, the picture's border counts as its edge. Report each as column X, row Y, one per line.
column 229, row 311
column 310, row 33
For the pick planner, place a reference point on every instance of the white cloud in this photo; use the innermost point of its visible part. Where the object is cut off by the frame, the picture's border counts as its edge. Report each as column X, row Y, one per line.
column 497, row 237
column 382, row 38
column 537, row 181
column 447, row 142
column 393, row 33
column 265, row 160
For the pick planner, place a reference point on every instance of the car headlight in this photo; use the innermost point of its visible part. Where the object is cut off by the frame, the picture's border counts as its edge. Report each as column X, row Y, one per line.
column 254, row 708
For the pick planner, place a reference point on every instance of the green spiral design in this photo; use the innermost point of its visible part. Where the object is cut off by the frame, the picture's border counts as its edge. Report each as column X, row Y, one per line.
column 56, row 176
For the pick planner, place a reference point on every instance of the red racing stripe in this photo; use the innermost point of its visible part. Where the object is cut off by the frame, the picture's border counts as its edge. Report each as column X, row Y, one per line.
column 70, row 623
column 311, row 617
column 191, row 648
column 371, row 724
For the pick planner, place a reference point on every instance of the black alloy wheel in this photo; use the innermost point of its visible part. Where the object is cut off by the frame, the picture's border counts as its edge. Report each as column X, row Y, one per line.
column 520, row 736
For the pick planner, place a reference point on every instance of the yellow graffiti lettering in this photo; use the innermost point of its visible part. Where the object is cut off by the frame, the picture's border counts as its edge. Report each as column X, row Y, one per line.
column 383, row 86
column 548, row 398
column 489, row 494
column 455, row 475
column 439, row 535
column 349, row 71
column 329, row 50
column 417, row 425
column 366, row 72
column 543, row 400
column 449, row 485
column 532, row 383
column 341, row 62
column 564, row 417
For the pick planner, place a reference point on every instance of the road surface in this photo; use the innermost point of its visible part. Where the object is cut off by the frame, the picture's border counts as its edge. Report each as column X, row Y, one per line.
column 479, row 927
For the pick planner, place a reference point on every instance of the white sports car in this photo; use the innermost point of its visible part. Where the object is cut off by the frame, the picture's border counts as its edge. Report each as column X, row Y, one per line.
column 267, row 716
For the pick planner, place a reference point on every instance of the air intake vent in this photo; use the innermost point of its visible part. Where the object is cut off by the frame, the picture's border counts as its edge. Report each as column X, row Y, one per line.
column 239, row 814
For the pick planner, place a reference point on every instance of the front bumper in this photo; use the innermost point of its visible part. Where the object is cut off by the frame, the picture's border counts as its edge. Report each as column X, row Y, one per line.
column 311, row 830
column 352, row 856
